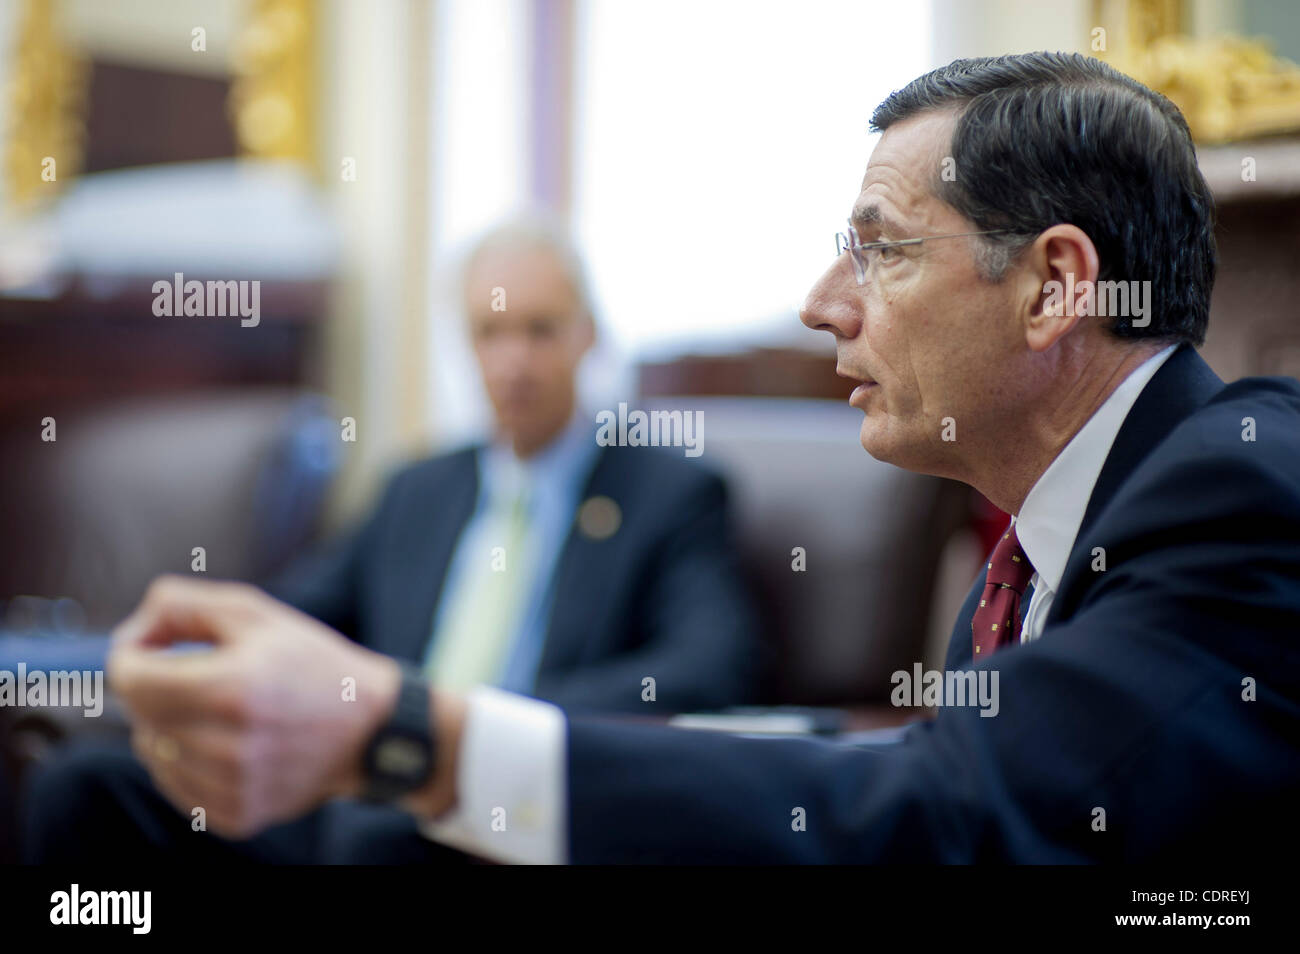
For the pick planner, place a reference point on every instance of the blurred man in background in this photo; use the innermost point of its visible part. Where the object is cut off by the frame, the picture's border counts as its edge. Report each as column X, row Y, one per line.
column 542, row 562
column 538, row 562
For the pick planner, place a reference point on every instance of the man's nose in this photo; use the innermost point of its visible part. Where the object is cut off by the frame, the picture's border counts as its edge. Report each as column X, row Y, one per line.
column 513, row 350
column 504, row 358
column 830, row 305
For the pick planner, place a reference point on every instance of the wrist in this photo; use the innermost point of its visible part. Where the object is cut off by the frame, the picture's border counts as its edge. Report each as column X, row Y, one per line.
column 376, row 698
column 447, row 716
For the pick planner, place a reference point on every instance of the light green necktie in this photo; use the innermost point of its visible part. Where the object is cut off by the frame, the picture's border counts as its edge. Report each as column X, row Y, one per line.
column 471, row 643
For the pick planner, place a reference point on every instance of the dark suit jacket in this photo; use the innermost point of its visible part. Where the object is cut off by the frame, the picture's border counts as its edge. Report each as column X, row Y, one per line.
column 661, row 597
column 1131, row 701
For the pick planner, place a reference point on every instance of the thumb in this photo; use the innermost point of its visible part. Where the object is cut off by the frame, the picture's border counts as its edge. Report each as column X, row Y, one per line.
column 165, row 687
column 152, row 681
column 176, row 609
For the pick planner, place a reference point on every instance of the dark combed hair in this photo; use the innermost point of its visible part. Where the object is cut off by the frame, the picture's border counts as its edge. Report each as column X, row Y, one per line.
column 1048, row 138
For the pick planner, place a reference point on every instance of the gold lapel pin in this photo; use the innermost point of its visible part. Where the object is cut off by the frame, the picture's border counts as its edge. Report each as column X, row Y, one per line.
column 599, row 518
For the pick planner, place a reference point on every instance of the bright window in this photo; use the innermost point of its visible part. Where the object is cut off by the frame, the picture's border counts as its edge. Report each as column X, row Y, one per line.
column 718, row 146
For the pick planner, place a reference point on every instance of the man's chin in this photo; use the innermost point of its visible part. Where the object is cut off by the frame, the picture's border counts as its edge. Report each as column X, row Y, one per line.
column 875, row 441
column 905, row 449
column 531, row 435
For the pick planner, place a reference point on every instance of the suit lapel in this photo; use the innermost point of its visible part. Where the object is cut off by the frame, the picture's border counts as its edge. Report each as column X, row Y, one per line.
column 960, row 648
column 1183, row 384
column 583, row 562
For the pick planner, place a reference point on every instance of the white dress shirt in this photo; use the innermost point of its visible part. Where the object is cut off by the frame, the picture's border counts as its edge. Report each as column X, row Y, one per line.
column 512, row 800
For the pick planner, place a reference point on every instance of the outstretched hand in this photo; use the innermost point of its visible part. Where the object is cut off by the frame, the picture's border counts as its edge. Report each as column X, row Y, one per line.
column 260, row 727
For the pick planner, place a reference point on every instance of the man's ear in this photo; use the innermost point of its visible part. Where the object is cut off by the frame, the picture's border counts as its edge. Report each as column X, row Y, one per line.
column 1060, row 271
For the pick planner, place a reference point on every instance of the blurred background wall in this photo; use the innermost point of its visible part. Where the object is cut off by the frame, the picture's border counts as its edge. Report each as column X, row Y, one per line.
column 346, row 153
column 683, row 141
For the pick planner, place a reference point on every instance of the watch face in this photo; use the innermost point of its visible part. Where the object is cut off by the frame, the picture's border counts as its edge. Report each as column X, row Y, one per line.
column 402, row 758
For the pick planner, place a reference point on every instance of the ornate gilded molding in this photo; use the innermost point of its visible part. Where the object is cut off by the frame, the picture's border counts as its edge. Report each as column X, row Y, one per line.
column 1228, row 87
column 46, row 93
column 273, row 98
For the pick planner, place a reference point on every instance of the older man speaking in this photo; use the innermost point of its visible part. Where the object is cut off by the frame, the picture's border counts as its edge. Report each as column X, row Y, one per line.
column 1141, row 608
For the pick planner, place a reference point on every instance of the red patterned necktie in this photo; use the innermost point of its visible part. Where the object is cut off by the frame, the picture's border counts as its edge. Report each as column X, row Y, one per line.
column 997, row 617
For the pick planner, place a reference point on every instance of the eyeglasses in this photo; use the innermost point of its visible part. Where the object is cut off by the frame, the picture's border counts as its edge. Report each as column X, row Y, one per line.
column 861, row 253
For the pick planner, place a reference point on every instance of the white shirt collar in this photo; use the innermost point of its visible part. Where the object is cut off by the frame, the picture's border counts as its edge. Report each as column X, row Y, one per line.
column 1050, row 517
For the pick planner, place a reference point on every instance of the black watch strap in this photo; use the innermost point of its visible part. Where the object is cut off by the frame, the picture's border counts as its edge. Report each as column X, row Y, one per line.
column 401, row 755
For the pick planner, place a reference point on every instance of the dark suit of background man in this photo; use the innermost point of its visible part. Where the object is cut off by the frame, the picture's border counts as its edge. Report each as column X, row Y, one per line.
column 540, row 562
column 1141, row 612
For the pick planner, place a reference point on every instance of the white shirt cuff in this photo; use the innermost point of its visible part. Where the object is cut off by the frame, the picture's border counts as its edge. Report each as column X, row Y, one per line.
column 511, row 786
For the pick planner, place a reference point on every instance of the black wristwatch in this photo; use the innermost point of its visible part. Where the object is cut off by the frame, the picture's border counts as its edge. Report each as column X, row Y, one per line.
column 400, row 756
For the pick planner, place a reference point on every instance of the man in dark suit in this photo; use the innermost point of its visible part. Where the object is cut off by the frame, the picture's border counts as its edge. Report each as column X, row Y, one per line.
column 1136, row 622
column 623, row 568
